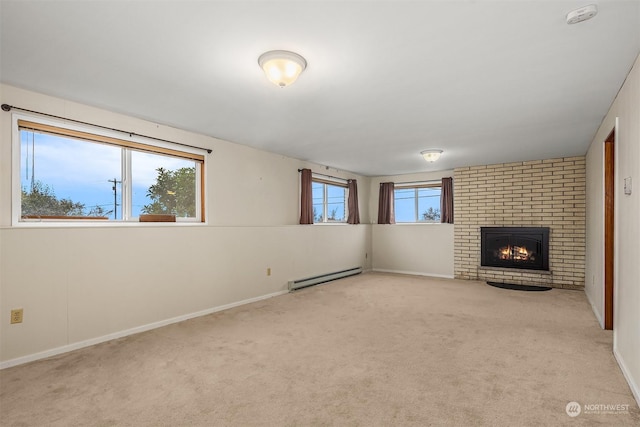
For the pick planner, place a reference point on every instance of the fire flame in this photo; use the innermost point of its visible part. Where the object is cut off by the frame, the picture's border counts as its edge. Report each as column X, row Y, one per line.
column 516, row 253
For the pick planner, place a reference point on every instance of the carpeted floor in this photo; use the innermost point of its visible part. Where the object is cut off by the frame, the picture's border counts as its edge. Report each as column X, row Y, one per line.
column 374, row 349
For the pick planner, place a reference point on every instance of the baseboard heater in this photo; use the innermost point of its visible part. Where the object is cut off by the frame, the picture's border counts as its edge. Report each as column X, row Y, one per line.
column 315, row 280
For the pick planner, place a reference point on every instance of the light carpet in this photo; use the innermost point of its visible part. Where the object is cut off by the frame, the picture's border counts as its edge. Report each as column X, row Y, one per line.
column 374, row 349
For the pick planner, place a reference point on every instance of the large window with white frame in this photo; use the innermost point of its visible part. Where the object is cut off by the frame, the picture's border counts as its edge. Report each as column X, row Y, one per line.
column 80, row 173
column 417, row 202
column 329, row 199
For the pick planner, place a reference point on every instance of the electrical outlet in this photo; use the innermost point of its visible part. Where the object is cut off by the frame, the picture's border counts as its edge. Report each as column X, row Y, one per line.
column 269, row 271
column 16, row 315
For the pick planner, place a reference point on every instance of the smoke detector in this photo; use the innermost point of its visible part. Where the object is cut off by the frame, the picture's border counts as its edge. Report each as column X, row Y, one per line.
column 582, row 14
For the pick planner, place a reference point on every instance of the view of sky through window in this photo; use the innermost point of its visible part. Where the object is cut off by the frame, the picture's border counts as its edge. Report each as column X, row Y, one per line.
column 334, row 197
column 417, row 204
column 88, row 173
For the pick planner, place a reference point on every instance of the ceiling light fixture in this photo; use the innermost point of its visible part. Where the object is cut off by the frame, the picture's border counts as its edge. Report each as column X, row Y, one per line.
column 431, row 155
column 282, row 67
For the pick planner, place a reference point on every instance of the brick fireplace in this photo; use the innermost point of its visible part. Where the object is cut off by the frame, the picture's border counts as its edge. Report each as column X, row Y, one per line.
column 537, row 194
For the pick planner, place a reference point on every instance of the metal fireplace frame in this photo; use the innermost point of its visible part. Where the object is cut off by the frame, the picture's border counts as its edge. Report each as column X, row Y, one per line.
column 538, row 232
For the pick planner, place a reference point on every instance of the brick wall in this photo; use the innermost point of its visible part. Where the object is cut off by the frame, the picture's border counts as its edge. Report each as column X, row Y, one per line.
column 542, row 193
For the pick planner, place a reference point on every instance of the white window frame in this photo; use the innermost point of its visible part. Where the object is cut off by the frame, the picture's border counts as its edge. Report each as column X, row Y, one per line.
column 337, row 182
column 416, row 186
column 128, row 220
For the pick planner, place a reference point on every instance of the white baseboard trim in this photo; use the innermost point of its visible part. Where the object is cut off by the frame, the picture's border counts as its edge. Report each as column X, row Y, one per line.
column 132, row 331
column 635, row 390
column 413, row 273
column 595, row 311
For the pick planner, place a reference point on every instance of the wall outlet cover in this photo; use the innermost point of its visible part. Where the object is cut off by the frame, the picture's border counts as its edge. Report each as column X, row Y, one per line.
column 16, row 315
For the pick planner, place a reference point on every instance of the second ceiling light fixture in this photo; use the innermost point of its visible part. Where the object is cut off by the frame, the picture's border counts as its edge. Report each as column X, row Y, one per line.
column 281, row 66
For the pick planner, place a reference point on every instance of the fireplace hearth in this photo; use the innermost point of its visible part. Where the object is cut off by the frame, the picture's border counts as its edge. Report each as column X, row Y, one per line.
column 515, row 247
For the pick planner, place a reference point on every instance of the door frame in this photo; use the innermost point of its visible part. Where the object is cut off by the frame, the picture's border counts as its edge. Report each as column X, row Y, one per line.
column 609, row 227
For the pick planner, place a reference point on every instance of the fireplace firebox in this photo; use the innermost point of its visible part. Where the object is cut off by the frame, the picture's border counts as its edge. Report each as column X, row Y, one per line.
column 515, row 247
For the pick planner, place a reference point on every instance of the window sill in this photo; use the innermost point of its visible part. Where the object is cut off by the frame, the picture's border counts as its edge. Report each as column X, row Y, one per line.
column 102, row 224
column 63, row 218
column 323, row 224
column 417, row 223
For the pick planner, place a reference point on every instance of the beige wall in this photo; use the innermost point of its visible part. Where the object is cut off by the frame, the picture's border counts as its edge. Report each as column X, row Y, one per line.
column 626, row 320
column 83, row 284
column 540, row 193
column 425, row 249
column 594, row 257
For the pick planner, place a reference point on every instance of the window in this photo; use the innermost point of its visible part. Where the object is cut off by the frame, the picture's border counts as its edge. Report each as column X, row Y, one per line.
column 329, row 200
column 417, row 202
column 72, row 173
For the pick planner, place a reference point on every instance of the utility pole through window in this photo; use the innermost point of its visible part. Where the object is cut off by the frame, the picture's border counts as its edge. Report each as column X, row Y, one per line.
column 115, row 196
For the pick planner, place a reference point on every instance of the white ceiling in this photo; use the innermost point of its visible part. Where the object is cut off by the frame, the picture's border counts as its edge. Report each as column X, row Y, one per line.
column 486, row 81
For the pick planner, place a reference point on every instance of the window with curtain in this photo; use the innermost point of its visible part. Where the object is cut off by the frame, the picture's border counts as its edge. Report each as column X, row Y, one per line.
column 77, row 173
column 386, row 213
column 446, row 201
column 329, row 199
column 352, row 202
column 417, row 202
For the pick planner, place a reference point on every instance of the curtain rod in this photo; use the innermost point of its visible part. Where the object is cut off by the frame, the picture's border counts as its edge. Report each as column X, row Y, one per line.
column 329, row 176
column 7, row 107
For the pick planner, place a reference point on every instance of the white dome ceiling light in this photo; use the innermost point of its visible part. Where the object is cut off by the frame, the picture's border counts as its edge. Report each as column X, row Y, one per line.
column 282, row 67
column 431, row 155
column 582, row 14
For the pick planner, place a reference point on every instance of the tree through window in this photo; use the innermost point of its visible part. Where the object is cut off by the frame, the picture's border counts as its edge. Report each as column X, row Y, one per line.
column 417, row 203
column 329, row 200
column 66, row 173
